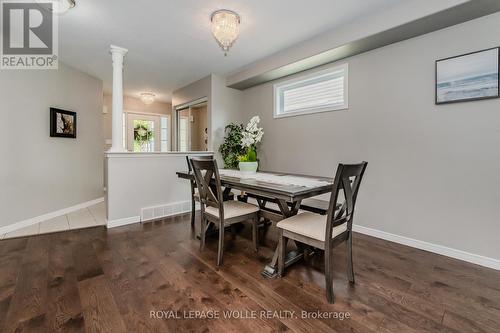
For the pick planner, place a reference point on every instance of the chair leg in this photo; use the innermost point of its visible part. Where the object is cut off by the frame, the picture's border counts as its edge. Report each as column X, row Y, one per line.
column 234, row 231
column 193, row 211
column 281, row 254
column 220, row 250
column 350, row 268
column 203, row 230
column 329, row 275
column 255, row 236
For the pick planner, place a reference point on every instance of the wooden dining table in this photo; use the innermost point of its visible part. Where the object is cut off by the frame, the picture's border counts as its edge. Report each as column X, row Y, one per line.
column 288, row 191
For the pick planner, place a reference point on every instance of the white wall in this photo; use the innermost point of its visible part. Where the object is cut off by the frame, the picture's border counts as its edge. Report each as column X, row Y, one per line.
column 434, row 171
column 130, row 191
column 40, row 174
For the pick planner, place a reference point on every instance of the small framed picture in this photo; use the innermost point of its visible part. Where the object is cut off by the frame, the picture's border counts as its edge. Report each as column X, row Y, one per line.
column 468, row 77
column 62, row 123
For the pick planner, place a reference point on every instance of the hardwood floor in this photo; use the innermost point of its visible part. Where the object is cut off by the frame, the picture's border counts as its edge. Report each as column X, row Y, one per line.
column 98, row 280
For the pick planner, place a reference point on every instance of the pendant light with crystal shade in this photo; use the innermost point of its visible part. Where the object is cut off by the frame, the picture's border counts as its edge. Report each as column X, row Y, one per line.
column 225, row 28
column 59, row 6
column 148, row 98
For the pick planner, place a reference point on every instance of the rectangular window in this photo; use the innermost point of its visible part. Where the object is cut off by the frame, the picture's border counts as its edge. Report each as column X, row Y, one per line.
column 317, row 92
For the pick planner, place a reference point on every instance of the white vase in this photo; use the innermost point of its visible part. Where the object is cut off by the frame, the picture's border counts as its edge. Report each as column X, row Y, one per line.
column 248, row 168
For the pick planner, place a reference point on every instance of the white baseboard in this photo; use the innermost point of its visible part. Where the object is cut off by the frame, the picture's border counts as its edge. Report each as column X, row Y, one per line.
column 154, row 213
column 45, row 217
column 434, row 248
column 122, row 222
column 177, row 208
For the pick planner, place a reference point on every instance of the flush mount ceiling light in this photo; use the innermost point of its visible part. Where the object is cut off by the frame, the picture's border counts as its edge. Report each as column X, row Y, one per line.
column 148, row 98
column 225, row 28
column 59, row 6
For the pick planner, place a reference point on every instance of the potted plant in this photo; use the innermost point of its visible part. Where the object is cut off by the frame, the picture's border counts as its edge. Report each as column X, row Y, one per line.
column 251, row 137
column 231, row 148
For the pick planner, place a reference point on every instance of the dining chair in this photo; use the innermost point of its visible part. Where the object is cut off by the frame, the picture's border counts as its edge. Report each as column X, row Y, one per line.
column 327, row 231
column 194, row 194
column 217, row 211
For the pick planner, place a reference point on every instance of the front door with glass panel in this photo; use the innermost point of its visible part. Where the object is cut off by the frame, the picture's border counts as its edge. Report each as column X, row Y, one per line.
column 143, row 133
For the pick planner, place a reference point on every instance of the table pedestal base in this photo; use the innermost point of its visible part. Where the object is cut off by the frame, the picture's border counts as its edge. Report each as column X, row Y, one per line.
column 271, row 271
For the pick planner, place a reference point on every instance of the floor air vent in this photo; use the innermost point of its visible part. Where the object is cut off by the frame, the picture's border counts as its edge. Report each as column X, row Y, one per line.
column 175, row 208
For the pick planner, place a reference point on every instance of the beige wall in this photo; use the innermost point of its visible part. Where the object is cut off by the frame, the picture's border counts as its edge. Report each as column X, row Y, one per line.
column 131, row 104
column 200, row 122
column 433, row 172
column 40, row 174
column 223, row 105
column 226, row 108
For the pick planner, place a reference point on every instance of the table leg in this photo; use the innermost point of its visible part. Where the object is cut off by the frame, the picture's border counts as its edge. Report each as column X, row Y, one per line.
column 225, row 193
column 271, row 269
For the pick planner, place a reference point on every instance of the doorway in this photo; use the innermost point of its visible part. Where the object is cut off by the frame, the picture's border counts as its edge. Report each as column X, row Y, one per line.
column 147, row 132
column 192, row 128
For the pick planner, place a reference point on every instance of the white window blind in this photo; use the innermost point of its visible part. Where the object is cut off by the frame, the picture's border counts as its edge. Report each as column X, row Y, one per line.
column 317, row 92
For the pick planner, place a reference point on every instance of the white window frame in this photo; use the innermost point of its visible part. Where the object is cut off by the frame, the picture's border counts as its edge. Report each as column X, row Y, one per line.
column 168, row 137
column 281, row 86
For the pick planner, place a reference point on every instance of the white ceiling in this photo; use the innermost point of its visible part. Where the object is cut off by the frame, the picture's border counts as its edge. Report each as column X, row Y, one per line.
column 170, row 44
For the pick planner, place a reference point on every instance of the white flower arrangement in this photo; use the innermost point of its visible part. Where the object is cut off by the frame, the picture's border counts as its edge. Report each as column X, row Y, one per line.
column 252, row 134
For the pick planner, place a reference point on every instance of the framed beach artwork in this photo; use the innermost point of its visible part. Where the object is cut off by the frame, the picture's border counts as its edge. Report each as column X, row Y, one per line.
column 468, row 77
column 62, row 123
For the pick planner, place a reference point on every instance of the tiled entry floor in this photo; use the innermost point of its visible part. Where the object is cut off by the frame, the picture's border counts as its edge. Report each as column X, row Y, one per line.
column 83, row 218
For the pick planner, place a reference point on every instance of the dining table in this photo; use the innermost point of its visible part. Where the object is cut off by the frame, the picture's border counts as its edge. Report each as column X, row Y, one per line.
column 286, row 190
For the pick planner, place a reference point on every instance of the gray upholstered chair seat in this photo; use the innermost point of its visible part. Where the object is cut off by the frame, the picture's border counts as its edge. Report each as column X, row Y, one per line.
column 233, row 209
column 311, row 225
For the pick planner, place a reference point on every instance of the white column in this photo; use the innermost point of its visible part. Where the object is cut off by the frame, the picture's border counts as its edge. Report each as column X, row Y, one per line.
column 117, row 54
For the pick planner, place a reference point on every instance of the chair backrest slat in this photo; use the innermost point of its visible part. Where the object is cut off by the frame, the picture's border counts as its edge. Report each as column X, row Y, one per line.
column 202, row 157
column 190, row 168
column 347, row 179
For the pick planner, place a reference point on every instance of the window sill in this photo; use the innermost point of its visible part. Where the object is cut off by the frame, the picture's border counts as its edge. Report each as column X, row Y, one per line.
column 306, row 112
